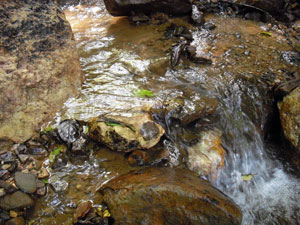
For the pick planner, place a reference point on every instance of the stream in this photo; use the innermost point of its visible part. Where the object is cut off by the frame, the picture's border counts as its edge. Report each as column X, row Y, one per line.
column 119, row 57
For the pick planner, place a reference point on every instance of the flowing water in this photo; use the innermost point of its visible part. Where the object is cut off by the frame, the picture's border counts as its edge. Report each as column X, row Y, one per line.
column 119, row 58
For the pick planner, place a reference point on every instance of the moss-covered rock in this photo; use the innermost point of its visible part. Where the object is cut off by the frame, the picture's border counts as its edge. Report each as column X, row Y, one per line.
column 289, row 109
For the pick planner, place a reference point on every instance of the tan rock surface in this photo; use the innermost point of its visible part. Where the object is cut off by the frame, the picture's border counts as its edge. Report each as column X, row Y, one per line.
column 289, row 109
column 39, row 66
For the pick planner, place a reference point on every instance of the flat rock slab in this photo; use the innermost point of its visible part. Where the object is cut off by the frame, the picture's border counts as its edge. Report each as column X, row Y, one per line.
column 16, row 200
column 39, row 66
column 167, row 196
column 26, row 182
column 126, row 7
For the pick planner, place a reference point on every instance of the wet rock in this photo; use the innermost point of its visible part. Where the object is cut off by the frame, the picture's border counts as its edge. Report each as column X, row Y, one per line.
column 26, row 181
column 207, row 156
column 4, row 215
column 79, row 146
column 167, row 196
column 9, row 188
column 82, row 209
column 197, row 16
column 7, row 157
column 126, row 133
column 4, row 174
column 138, row 158
column 58, row 184
column 41, row 188
column 16, row 200
column 16, row 221
column 23, row 158
column 289, row 109
column 2, row 192
column 43, row 173
column 125, row 8
column 69, row 131
column 209, row 26
column 177, row 52
column 39, row 66
column 139, row 19
column 187, row 109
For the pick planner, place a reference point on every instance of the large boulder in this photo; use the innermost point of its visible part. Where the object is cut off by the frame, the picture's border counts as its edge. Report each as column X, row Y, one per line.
column 289, row 109
column 39, row 65
column 167, row 196
column 126, row 7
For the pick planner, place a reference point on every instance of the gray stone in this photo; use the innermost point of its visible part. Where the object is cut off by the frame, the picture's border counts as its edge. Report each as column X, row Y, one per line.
column 26, row 181
column 15, row 201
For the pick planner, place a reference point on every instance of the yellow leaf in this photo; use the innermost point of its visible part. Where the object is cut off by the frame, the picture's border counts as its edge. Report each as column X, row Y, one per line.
column 106, row 213
column 247, row 177
column 13, row 214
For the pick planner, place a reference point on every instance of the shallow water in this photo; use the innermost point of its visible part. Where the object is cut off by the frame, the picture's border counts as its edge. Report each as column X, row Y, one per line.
column 119, row 58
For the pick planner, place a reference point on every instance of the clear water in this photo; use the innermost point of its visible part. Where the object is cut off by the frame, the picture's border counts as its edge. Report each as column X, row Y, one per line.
column 119, row 58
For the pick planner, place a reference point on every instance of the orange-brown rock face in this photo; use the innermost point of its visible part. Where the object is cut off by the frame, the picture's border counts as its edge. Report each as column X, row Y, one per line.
column 39, row 66
column 167, row 196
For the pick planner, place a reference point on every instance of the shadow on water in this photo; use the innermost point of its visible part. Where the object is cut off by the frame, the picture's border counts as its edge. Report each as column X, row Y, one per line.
column 119, row 58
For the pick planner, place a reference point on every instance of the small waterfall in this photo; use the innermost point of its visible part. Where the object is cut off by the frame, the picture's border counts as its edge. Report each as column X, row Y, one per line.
column 256, row 182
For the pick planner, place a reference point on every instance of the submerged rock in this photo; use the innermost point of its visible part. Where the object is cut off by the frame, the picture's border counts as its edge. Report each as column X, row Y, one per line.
column 186, row 109
column 207, row 156
column 15, row 201
column 126, row 133
column 125, row 7
column 167, row 196
column 289, row 109
column 39, row 66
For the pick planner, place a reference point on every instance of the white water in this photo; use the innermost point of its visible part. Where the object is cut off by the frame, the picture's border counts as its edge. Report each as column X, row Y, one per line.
column 271, row 196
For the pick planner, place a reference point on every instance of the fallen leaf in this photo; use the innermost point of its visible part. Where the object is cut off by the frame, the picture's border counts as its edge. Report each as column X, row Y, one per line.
column 265, row 33
column 13, row 214
column 143, row 93
column 53, row 154
column 247, row 177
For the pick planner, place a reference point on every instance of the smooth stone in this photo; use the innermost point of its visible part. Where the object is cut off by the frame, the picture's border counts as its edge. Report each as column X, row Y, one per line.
column 16, row 200
column 26, row 181
column 167, row 196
